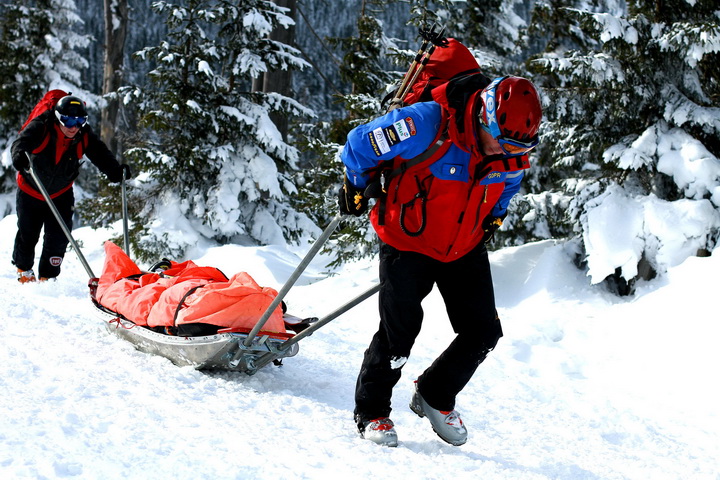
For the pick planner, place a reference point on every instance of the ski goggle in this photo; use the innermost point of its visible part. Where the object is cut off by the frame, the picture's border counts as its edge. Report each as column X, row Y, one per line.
column 71, row 122
column 508, row 145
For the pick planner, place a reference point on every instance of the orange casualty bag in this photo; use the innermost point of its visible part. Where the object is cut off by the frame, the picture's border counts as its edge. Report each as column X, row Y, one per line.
column 183, row 294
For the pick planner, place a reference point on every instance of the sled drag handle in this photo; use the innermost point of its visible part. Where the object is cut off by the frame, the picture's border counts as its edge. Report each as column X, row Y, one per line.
column 269, row 357
column 59, row 219
column 330, row 317
column 293, row 278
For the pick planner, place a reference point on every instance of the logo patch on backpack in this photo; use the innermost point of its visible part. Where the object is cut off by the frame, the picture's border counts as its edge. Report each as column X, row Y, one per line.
column 56, row 261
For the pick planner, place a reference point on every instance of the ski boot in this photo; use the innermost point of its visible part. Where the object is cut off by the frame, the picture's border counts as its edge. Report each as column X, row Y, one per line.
column 25, row 276
column 447, row 424
column 380, row 430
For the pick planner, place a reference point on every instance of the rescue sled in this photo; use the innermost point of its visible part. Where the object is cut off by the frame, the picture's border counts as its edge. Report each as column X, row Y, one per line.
column 228, row 349
column 176, row 313
column 224, row 350
column 236, row 344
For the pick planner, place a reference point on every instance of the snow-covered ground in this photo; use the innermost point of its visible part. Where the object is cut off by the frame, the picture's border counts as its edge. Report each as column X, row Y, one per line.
column 583, row 385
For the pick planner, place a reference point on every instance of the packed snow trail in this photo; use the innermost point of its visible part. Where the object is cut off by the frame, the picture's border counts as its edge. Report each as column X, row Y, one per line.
column 582, row 386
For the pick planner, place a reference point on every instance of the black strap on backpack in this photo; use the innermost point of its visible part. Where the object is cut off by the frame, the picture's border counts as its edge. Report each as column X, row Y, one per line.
column 182, row 302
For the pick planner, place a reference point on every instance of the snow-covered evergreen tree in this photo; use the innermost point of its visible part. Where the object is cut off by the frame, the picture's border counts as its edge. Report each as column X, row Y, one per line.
column 491, row 29
column 633, row 128
column 39, row 39
column 207, row 150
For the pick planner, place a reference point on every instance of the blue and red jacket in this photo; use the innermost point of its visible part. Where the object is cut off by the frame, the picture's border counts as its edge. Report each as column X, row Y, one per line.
column 435, row 207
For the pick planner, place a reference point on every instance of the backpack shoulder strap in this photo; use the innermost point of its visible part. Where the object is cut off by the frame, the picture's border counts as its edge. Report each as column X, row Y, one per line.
column 440, row 141
column 43, row 144
column 82, row 143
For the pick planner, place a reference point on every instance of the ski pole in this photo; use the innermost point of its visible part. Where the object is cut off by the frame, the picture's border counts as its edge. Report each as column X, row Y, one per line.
column 432, row 39
column 59, row 219
column 428, row 36
column 436, row 39
column 123, row 191
column 293, row 278
column 400, row 94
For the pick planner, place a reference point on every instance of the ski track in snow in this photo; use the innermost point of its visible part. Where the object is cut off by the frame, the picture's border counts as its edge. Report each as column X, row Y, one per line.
column 582, row 386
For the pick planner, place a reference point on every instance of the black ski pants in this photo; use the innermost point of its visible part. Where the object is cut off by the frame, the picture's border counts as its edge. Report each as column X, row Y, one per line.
column 406, row 278
column 34, row 215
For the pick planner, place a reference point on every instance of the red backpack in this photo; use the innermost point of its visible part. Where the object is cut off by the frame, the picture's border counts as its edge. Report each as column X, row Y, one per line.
column 450, row 61
column 46, row 103
column 447, row 62
column 405, row 206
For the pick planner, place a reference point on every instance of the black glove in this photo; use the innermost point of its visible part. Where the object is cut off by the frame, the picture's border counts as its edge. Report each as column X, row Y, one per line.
column 21, row 162
column 117, row 176
column 351, row 200
column 490, row 225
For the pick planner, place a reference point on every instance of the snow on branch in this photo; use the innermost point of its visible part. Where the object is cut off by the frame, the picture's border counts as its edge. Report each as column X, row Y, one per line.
column 680, row 110
column 598, row 68
column 613, row 27
column 691, row 41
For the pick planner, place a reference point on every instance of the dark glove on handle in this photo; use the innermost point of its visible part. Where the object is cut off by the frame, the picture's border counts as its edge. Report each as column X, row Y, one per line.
column 351, row 200
column 490, row 225
column 123, row 173
column 21, row 162
column 127, row 173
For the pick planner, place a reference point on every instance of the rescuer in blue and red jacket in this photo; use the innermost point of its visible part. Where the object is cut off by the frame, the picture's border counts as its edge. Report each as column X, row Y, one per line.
column 443, row 173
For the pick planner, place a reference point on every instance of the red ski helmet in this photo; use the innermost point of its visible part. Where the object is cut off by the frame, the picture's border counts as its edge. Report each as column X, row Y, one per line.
column 510, row 111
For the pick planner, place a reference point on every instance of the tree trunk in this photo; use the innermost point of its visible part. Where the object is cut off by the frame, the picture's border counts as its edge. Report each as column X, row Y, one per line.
column 280, row 81
column 116, row 22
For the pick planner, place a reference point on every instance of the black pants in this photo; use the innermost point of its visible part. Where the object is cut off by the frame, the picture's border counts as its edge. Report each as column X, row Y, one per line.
column 34, row 215
column 406, row 278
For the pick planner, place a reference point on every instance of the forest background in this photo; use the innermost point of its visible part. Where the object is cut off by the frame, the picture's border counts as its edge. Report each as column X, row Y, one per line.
column 232, row 114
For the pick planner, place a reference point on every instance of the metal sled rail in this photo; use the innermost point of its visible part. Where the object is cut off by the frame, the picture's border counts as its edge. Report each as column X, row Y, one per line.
column 226, row 350
column 222, row 351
